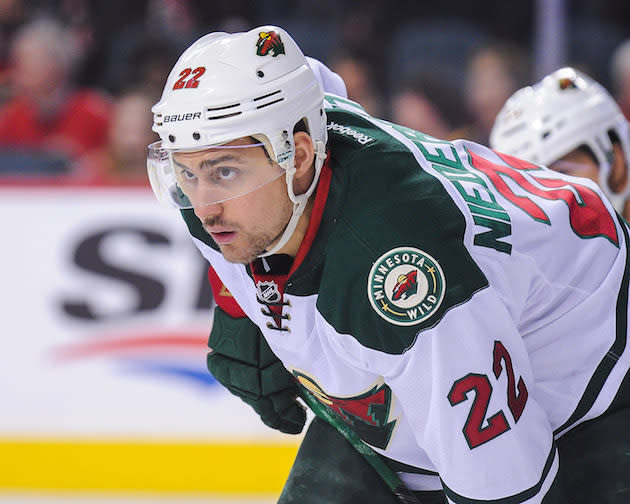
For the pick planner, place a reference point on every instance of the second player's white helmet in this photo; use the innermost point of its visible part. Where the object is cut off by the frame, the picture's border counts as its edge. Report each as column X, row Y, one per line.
column 229, row 86
column 564, row 111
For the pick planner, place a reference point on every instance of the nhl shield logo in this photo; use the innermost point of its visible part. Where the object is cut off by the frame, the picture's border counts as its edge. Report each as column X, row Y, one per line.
column 406, row 286
column 268, row 292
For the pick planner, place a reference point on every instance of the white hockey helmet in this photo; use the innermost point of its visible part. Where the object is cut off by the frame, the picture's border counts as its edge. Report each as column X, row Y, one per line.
column 564, row 111
column 229, row 86
column 331, row 82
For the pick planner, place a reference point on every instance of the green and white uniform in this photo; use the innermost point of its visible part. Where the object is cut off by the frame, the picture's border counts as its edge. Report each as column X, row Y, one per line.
column 458, row 309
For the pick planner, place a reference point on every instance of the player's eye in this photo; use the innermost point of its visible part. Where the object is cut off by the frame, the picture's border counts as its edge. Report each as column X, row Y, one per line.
column 187, row 175
column 224, row 174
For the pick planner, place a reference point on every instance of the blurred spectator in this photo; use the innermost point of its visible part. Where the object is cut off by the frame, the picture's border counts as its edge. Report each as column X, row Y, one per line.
column 430, row 105
column 360, row 22
column 620, row 72
column 12, row 14
column 357, row 75
column 590, row 41
column 45, row 112
column 494, row 72
column 124, row 158
column 142, row 60
column 142, row 48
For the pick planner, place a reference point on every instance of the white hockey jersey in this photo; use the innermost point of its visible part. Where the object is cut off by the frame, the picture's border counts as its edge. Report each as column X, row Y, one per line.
column 458, row 308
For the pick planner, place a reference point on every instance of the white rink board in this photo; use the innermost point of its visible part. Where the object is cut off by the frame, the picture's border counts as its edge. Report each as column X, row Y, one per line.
column 88, row 349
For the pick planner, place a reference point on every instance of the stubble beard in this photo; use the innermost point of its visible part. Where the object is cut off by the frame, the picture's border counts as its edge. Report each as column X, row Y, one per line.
column 255, row 244
column 249, row 245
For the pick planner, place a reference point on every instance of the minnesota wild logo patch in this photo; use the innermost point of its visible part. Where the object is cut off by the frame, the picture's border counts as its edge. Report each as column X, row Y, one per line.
column 406, row 286
column 368, row 413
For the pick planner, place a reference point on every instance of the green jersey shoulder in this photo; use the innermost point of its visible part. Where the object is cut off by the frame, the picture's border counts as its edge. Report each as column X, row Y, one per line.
column 396, row 261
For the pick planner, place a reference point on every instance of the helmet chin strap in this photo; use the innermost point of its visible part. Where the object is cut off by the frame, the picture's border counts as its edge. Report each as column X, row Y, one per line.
column 299, row 200
column 288, row 232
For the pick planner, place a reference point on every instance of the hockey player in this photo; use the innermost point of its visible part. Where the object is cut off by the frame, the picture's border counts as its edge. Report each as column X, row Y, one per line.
column 463, row 312
column 570, row 123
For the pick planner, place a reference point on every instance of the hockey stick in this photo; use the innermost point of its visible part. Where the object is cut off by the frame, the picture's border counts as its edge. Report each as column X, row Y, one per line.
column 402, row 494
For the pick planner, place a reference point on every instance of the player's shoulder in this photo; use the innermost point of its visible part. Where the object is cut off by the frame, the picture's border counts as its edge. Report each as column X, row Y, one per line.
column 374, row 155
column 384, row 177
column 351, row 129
column 396, row 261
column 388, row 284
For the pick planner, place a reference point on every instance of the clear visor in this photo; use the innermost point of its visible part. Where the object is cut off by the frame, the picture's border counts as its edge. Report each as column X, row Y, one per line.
column 187, row 178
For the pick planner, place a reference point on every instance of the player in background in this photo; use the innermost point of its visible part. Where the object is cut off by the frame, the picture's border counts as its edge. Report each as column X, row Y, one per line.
column 569, row 122
column 463, row 312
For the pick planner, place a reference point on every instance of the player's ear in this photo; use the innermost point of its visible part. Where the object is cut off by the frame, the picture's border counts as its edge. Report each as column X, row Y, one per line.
column 304, row 162
column 618, row 178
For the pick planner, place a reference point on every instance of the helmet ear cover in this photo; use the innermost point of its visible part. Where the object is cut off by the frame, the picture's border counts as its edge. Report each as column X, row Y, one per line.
column 566, row 110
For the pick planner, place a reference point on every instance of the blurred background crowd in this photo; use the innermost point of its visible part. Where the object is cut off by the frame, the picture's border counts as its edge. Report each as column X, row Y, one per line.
column 78, row 77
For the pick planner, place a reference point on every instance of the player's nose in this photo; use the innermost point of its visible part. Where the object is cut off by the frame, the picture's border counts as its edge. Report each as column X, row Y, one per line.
column 208, row 211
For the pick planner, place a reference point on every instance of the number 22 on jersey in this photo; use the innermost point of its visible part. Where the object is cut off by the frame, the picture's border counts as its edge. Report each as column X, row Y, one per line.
column 474, row 430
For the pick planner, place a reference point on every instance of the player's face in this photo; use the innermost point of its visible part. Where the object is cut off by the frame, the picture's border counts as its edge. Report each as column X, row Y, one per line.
column 245, row 226
column 579, row 164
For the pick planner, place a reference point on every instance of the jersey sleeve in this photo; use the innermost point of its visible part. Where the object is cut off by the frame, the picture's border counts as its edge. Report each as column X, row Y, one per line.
column 468, row 389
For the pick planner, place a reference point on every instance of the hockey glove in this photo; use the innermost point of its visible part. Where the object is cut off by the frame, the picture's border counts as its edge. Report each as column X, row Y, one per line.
column 241, row 360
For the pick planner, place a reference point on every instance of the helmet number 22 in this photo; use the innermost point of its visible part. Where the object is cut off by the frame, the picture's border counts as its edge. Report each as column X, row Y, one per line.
column 186, row 83
column 474, row 430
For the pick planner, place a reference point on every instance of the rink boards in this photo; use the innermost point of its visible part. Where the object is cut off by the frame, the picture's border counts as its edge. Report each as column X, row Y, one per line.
column 106, row 314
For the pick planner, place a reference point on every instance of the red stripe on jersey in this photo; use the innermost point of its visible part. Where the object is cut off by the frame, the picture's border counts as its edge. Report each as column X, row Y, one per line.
column 321, row 195
column 588, row 214
column 223, row 297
